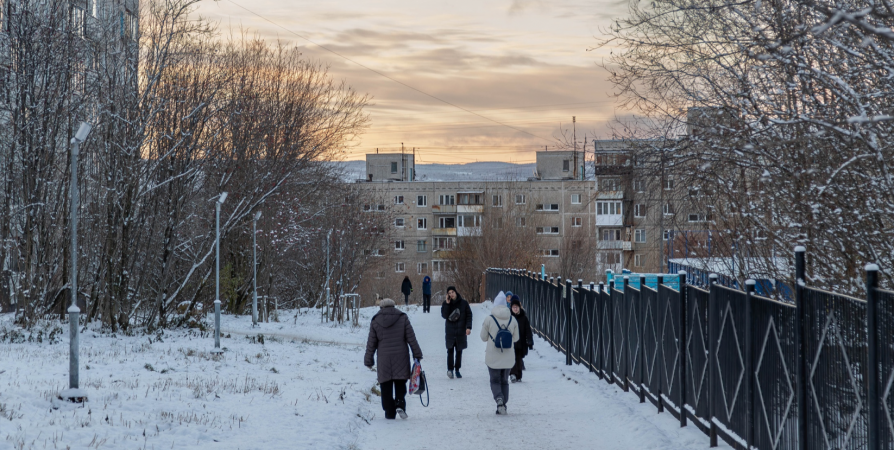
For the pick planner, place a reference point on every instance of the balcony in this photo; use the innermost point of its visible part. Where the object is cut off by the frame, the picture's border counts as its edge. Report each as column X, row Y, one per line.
column 468, row 231
column 478, row 209
column 443, row 231
column 609, row 195
column 611, row 245
column 609, row 220
column 627, row 247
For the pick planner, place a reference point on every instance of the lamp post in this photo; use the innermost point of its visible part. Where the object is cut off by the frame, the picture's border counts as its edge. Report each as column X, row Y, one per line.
column 220, row 200
column 73, row 393
column 254, row 278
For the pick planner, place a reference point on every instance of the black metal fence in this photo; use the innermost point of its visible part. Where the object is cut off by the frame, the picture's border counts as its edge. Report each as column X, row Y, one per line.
column 751, row 370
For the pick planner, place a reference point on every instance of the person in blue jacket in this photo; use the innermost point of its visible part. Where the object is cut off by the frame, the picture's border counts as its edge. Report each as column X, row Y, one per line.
column 426, row 294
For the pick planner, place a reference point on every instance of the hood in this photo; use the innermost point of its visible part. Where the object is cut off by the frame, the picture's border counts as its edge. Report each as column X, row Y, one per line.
column 501, row 312
column 426, row 280
column 388, row 316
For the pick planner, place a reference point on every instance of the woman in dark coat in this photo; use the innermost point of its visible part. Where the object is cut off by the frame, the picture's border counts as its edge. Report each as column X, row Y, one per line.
column 525, row 339
column 390, row 333
column 457, row 326
column 406, row 288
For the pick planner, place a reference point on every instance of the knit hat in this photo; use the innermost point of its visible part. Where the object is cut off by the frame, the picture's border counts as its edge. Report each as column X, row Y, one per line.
column 451, row 288
column 508, row 294
column 515, row 301
column 386, row 303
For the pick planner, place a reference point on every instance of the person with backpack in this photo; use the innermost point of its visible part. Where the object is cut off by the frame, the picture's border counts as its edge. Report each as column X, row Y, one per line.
column 525, row 339
column 500, row 331
column 406, row 288
column 426, row 294
column 390, row 333
column 457, row 326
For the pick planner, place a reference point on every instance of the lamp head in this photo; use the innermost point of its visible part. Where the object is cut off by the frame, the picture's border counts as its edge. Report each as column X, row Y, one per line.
column 222, row 198
column 83, row 131
column 257, row 216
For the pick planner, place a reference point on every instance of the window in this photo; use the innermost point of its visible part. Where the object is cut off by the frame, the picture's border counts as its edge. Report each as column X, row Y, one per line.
column 78, row 20
column 697, row 218
column 548, row 207
column 399, row 245
column 565, row 165
column 468, row 221
column 577, row 221
column 610, row 184
column 470, row 199
column 380, row 207
column 608, row 208
column 639, row 235
column 421, row 268
column 637, row 260
column 93, row 7
column 551, row 252
column 399, row 200
column 422, row 224
column 380, row 274
column 498, row 223
column 575, row 199
column 639, row 185
column 519, row 199
column 547, row 230
column 374, row 252
column 668, row 208
column 668, row 234
column 400, row 267
column 520, row 222
column 421, row 245
column 421, row 200
column 446, row 200
column 668, row 184
column 497, row 201
column 446, row 222
column 132, row 24
column 444, row 243
column 399, row 222
column 639, row 210
column 442, row 266
column 611, row 234
column 610, row 258
column 693, row 192
column 394, row 167
column 367, row 208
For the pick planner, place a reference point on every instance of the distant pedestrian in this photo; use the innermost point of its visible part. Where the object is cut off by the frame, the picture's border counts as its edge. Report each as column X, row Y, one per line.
column 499, row 361
column 426, row 294
column 457, row 326
column 509, row 295
column 390, row 333
column 406, row 288
column 525, row 339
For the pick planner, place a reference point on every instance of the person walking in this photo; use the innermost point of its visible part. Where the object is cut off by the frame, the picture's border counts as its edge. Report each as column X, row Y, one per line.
column 390, row 332
column 499, row 361
column 525, row 339
column 406, row 288
column 426, row 294
column 457, row 326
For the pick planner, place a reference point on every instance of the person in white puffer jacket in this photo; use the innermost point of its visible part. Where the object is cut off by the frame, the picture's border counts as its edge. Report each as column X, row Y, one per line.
column 499, row 362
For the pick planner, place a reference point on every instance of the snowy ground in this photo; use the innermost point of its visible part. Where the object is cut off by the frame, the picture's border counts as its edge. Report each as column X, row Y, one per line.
column 302, row 385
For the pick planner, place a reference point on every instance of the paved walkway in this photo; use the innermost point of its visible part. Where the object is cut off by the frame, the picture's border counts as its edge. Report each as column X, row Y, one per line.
column 555, row 407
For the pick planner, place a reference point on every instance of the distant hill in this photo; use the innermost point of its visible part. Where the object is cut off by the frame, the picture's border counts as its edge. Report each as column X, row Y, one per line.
column 478, row 171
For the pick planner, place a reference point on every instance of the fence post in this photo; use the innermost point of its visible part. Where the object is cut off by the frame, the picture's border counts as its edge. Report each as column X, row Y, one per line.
column 749, row 363
column 800, row 324
column 712, row 357
column 626, row 350
column 600, row 354
column 683, row 346
column 569, row 301
column 872, row 374
column 579, row 319
column 610, row 310
column 661, row 375
column 642, row 335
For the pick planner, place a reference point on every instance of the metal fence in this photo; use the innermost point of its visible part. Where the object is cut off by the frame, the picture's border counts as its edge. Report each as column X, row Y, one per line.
column 814, row 374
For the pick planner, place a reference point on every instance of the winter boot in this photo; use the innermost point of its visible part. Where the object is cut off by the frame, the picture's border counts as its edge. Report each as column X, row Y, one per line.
column 513, row 379
column 458, row 375
column 401, row 413
column 450, row 374
column 501, row 408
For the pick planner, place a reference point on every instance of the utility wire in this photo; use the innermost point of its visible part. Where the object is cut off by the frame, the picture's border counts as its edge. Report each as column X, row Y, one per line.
column 390, row 78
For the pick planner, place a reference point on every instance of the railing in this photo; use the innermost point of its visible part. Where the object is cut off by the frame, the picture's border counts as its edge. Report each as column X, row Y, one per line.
column 756, row 372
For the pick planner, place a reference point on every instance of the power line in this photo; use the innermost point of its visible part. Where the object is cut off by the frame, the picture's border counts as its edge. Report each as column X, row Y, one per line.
column 386, row 76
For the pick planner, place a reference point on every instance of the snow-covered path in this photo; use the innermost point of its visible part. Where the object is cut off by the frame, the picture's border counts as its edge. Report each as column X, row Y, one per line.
column 555, row 407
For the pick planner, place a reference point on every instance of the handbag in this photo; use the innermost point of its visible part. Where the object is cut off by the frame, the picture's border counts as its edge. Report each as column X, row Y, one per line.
column 454, row 316
column 418, row 383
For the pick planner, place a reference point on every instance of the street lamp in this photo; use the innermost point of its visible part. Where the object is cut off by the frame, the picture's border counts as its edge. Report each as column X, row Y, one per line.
column 220, row 200
column 73, row 393
column 254, row 279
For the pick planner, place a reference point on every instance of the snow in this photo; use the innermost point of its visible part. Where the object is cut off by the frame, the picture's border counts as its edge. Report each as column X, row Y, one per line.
column 300, row 383
column 478, row 171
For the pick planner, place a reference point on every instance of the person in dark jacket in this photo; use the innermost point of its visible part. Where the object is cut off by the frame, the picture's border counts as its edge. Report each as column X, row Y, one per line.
column 390, row 333
column 406, row 288
column 525, row 339
column 426, row 294
column 457, row 326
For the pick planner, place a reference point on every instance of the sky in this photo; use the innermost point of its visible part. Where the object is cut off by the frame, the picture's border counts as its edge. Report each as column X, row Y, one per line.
column 528, row 64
